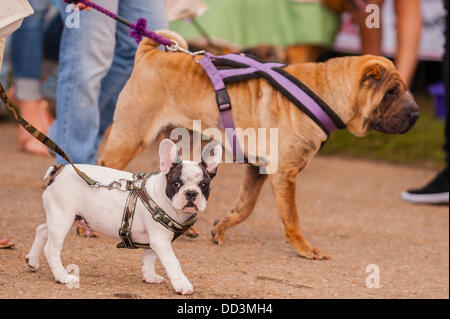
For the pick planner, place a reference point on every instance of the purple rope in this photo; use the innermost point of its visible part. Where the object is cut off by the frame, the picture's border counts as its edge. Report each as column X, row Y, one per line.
column 137, row 30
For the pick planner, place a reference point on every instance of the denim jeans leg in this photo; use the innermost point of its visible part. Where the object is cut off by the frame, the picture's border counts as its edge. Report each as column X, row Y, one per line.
column 5, row 66
column 155, row 13
column 27, row 52
column 85, row 57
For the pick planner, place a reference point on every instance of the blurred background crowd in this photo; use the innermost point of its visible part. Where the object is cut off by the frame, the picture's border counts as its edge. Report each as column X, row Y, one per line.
column 65, row 80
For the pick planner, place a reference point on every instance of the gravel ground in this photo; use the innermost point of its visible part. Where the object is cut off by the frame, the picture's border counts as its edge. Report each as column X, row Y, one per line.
column 351, row 209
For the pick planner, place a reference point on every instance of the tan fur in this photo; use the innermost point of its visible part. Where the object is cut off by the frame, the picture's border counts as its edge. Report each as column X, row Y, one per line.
column 301, row 53
column 170, row 89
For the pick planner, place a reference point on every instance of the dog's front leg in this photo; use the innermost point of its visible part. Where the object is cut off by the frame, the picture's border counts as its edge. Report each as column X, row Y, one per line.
column 148, row 267
column 283, row 186
column 170, row 262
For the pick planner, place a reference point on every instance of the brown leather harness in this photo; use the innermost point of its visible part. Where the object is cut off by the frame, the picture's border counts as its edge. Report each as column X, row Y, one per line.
column 136, row 187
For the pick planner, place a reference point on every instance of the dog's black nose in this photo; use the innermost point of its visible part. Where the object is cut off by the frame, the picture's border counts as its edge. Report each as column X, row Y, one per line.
column 413, row 117
column 191, row 195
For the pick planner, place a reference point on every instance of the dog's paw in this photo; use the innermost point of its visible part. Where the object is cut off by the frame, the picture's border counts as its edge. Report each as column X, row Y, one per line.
column 152, row 278
column 313, row 253
column 217, row 236
column 83, row 233
column 192, row 232
column 182, row 286
column 33, row 265
column 71, row 280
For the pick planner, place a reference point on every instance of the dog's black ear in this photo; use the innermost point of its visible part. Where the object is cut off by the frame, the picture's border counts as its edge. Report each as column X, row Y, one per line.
column 211, row 161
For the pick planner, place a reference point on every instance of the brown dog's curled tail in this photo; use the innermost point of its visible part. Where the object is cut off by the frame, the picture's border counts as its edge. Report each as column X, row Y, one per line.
column 148, row 45
column 167, row 34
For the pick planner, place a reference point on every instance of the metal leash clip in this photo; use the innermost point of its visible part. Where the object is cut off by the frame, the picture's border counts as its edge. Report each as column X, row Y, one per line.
column 175, row 47
column 120, row 185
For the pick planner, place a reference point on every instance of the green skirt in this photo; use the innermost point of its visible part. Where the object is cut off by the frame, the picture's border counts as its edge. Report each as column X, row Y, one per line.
column 274, row 22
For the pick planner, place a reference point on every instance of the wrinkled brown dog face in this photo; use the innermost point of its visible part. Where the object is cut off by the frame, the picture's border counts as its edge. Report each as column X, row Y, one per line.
column 382, row 103
column 396, row 114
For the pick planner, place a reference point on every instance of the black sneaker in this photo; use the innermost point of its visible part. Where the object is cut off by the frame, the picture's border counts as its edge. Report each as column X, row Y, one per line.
column 436, row 192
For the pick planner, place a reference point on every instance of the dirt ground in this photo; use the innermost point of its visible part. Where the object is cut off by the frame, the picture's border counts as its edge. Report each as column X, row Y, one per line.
column 350, row 209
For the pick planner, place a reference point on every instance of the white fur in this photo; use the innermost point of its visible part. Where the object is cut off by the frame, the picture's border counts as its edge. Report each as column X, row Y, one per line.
column 213, row 160
column 191, row 176
column 102, row 209
column 167, row 155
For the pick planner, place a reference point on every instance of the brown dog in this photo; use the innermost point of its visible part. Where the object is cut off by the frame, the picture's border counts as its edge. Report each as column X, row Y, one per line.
column 171, row 89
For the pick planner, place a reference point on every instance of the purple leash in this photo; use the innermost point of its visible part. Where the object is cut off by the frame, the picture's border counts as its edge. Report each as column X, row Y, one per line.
column 137, row 30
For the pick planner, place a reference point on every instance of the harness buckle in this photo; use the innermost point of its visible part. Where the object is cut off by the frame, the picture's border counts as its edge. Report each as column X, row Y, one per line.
column 157, row 215
column 138, row 184
column 223, row 100
column 123, row 232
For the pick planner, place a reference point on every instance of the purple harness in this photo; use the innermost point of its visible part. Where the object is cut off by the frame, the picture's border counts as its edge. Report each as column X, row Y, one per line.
column 237, row 67
column 231, row 68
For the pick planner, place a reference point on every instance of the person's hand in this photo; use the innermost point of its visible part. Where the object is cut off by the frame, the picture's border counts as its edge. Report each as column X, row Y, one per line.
column 82, row 6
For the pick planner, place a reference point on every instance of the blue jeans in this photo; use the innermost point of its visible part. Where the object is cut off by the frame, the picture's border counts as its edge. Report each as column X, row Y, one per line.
column 27, row 50
column 95, row 61
column 6, row 66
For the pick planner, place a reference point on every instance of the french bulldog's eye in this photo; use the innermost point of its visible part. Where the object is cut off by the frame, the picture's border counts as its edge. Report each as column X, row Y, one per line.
column 204, row 186
column 176, row 184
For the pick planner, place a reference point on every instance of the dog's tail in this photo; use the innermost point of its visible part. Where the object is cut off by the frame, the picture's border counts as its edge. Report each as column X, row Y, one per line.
column 167, row 34
column 52, row 170
column 148, row 45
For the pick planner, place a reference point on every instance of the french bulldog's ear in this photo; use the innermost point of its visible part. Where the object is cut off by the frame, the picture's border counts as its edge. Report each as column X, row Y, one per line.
column 168, row 155
column 211, row 161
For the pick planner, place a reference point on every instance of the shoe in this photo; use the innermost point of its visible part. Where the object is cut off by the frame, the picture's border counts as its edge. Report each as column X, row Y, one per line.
column 436, row 192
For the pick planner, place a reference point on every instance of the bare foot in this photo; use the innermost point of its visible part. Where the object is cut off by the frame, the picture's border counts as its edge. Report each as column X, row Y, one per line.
column 33, row 146
column 37, row 114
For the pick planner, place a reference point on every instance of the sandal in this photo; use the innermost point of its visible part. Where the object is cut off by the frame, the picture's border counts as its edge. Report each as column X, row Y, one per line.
column 4, row 243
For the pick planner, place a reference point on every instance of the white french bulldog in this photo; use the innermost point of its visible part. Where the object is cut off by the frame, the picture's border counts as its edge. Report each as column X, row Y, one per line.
column 180, row 189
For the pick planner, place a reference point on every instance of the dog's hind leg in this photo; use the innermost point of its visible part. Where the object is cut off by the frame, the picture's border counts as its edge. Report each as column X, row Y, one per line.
column 148, row 267
column 58, row 224
column 250, row 187
column 283, row 186
column 32, row 259
column 132, row 128
column 122, row 145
